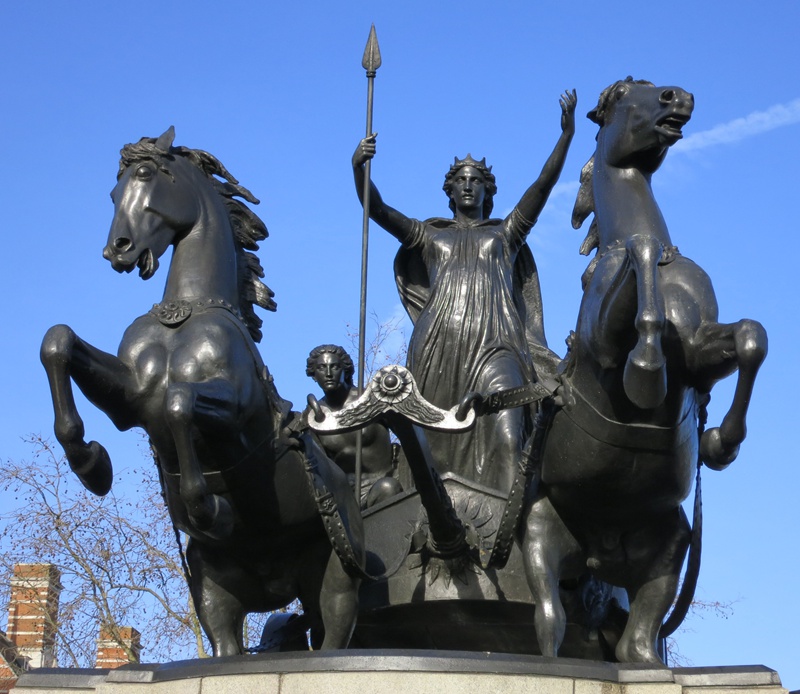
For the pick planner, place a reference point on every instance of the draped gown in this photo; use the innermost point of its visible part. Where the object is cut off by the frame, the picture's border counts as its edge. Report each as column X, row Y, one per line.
column 474, row 314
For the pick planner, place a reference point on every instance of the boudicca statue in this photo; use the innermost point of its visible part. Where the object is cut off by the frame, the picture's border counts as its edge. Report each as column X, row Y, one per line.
column 591, row 490
column 188, row 372
column 471, row 288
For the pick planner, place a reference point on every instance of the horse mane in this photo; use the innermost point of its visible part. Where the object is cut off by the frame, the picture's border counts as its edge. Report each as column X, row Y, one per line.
column 247, row 227
column 584, row 203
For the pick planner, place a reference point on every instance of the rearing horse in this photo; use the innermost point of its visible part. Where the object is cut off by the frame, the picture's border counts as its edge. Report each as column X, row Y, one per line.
column 620, row 454
column 189, row 373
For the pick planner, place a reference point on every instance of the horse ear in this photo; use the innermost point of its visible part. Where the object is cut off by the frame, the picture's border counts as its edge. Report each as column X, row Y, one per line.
column 165, row 141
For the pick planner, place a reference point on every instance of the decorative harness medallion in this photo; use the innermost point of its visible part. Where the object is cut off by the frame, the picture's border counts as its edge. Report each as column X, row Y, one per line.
column 174, row 313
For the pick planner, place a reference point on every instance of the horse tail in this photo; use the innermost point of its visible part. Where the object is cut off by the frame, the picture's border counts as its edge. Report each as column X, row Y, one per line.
column 686, row 595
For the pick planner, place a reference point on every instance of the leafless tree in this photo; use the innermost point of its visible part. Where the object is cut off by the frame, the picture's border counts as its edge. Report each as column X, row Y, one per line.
column 716, row 609
column 118, row 556
column 387, row 345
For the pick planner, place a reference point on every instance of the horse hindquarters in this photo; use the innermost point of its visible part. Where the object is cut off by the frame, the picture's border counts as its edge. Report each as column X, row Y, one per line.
column 656, row 552
column 647, row 565
column 613, row 510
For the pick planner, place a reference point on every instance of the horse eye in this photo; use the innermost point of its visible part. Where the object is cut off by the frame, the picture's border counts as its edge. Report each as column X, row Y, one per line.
column 144, row 171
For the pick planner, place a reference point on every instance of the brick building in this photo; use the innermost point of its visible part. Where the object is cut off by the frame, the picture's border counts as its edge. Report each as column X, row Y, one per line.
column 110, row 651
column 32, row 622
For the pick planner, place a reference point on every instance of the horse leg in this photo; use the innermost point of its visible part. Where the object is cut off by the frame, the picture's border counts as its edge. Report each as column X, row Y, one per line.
column 106, row 382
column 655, row 555
column 190, row 408
column 546, row 545
column 747, row 339
column 338, row 603
column 221, row 612
column 645, row 375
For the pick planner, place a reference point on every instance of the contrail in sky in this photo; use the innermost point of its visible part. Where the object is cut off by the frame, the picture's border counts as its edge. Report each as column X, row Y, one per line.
column 752, row 124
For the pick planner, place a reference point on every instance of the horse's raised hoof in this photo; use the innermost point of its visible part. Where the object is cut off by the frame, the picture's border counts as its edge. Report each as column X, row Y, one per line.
column 712, row 451
column 92, row 466
column 645, row 382
column 217, row 523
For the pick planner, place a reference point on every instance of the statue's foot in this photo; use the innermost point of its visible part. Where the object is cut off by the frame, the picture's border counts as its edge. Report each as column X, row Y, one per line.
column 713, row 451
column 215, row 517
column 645, row 377
column 90, row 462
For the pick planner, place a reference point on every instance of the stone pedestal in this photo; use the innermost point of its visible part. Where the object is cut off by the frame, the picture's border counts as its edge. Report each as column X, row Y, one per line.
column 397, row 672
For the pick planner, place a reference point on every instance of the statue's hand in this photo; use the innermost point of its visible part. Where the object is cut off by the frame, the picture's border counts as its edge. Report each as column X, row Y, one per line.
column 365, row 151
column 568, row 101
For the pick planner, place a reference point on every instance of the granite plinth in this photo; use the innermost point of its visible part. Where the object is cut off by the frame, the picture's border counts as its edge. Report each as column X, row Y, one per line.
column 388, row 672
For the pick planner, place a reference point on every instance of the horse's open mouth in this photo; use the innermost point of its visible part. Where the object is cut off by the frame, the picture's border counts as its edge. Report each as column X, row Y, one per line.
column 147, row 264
column 672, row 125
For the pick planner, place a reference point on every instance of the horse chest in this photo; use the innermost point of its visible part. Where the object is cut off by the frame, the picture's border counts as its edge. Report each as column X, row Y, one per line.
column 159, row 355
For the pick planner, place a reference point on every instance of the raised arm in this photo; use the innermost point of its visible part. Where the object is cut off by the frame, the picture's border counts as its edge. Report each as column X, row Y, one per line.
column 396, row 223
column 534, row 199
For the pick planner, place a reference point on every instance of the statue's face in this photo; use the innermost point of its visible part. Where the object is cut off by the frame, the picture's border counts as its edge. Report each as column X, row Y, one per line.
column 329, row 373
column 468, row 189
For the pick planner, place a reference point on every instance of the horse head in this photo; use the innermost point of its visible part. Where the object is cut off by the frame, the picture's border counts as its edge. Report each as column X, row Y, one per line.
column 155, row 201
column 639, row 122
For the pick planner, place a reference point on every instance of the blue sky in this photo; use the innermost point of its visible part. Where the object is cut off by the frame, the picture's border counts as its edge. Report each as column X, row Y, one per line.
column 278, row 94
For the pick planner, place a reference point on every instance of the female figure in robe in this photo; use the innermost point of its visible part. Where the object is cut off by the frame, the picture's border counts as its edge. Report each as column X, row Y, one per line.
column 471, row 288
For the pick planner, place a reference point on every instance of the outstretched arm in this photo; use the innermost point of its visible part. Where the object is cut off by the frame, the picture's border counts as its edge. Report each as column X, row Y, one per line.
column 396, row 223
column 534, row 199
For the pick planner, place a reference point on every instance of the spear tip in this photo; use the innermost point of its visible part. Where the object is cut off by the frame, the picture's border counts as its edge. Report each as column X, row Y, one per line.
column 372, row 53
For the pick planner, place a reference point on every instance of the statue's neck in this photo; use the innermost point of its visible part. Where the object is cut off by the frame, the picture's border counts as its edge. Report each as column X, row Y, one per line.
column 468, row 217
column 340, row 397
column 204, row 262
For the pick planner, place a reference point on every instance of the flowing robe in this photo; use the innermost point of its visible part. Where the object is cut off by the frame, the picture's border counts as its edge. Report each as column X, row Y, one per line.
column 473, row 294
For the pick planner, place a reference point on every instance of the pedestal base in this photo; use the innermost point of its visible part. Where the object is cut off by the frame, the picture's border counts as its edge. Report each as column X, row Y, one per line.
column 396, row 672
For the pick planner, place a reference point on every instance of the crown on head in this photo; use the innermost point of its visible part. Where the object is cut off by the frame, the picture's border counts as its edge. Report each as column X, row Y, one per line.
column 469, row 161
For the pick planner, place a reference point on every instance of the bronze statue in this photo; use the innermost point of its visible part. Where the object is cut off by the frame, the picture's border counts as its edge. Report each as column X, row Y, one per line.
column 622, row 448
column 618, row 431
column 471, row 287
column 189, row 373
column 332, row 369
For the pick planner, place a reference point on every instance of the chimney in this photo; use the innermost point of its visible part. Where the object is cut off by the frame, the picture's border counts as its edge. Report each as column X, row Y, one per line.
column 110, row 651
column 33, row 611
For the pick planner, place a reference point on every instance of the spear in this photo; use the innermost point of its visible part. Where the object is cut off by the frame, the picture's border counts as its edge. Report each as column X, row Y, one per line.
column 370, row 62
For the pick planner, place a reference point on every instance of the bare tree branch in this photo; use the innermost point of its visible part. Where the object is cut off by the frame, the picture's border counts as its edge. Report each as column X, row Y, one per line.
column 118, row 557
